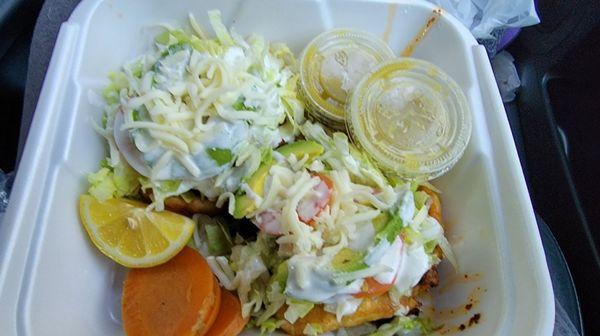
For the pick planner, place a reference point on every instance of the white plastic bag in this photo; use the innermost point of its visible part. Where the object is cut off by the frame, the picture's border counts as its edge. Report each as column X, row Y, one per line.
column 483, row 16
column 506, row 75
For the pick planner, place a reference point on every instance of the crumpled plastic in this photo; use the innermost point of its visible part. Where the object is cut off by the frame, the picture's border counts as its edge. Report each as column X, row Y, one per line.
column 507, row 77
column 482, row 17
column 562, row 324
column 6, row 181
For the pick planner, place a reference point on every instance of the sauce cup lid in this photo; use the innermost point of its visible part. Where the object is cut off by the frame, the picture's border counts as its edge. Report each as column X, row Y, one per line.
column 410, row 117
column 331, row 65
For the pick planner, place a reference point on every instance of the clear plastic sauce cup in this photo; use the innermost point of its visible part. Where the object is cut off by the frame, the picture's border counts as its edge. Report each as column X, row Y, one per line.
column 410, row 117
column 330, row 67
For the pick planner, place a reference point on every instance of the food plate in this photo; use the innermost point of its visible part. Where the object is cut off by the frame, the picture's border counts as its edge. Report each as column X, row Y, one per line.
column 54, row 282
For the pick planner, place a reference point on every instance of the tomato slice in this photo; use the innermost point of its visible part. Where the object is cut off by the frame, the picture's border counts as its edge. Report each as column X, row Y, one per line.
column 373, row 288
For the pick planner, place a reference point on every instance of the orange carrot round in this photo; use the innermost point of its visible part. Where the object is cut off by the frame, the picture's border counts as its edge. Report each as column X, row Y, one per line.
column 179, row 297
column 373, row 288
column 229, row 322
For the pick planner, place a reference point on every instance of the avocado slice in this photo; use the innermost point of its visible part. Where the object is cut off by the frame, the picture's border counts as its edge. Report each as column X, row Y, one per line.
column 380, row 221
column 348, row 260
column 301, row 148
column 393, row 227
column 256, row 182
column 243, row 206
column 280, row 275
column 243, row 203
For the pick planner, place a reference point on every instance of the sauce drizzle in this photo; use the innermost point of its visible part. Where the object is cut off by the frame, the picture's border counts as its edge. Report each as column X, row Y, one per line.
column 410, row 48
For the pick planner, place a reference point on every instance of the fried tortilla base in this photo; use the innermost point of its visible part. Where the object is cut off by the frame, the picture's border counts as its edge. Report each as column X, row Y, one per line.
column 370, row 309
column 197, row 205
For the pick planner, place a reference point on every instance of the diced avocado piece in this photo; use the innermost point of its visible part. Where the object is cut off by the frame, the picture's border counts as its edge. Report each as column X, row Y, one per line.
column 243, row 206
column 421, row 198
column 348, row 260
column 380, row 221
column 301, row 148
column 243, row 203
column 256, row 182
column 219, row 241
column 280, row 276
column 391, row 230
column 220, row 155
column 409, row 235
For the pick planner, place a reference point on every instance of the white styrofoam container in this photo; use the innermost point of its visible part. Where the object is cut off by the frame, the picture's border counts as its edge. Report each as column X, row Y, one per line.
column 54, row 282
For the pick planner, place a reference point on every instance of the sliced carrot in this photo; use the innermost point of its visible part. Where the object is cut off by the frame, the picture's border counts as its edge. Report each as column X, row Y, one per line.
column 229, row 322
column 179, row 297
column 373, row 288
column 211, row 312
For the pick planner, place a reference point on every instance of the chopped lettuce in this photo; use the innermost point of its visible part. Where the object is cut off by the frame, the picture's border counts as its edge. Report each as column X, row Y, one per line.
column 240, row 105
column 391, row 230
column 218, row 238
column 113, row 181
column 249, row 266
column 220, row 30
column 340, row 154
column 275, row 299
column 404, row 325
column 220, row 155
column 421, row 198
column 118, row 81
column 410, row 236
column 102, row 186
column 269, row 326
column 297, row 309
column 312, row 329
column 161, row 190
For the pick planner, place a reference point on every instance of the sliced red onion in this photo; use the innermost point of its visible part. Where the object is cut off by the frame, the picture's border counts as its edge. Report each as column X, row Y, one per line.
column 127, row 148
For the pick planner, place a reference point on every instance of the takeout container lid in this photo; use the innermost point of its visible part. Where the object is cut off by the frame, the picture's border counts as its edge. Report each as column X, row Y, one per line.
column 410, row 117
column 54, row 282
column 331, row 64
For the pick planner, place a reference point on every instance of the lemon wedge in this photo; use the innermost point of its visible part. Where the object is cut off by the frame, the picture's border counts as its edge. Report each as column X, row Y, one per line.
column 132, row 236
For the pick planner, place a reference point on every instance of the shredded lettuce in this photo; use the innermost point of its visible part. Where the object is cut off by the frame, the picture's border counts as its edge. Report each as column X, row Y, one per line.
column 275, row 299
column 217, row 23
column 297, row 309
column 248, row 265
column 391, row 230
column 220, row 155
column 102, row 186
column 404, row 325
column 421, row 198
column 340, row 154
column 410, row 236
column 218, row 238
column 312, row 329
column 161, row 190
column 269, row 326
column 118, row 81
column 113, row 181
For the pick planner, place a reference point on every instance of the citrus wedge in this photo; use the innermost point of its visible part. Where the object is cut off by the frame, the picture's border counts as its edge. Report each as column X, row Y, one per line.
column 132, row 236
